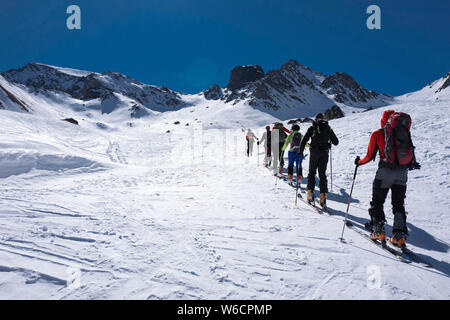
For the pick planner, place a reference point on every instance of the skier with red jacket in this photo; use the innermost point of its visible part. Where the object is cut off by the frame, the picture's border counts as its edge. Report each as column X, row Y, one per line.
column 396, row 157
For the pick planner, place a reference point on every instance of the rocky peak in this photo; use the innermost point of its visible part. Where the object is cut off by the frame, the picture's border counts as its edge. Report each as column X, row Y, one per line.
column 345, row 89
column 339, row 79
column 213, row 93
column 333, row 113
column 244, row 75
column 40, row 77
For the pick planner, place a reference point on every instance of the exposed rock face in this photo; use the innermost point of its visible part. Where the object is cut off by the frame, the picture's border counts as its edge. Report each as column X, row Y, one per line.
column 19, row 103
column 346, row 90
column 446, row 84
column 287, row 82
column 295, row 90
column 334, row 113
column 138, row 111
column 71, row 120
column 213, row 93
column 244, row 75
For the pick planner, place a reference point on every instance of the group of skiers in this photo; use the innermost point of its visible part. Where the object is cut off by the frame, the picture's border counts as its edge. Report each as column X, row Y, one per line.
column 392, row 141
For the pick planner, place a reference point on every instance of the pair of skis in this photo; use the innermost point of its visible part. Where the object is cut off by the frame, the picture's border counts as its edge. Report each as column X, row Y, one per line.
column 404, row 255
column 315, row 205
column 397, row 254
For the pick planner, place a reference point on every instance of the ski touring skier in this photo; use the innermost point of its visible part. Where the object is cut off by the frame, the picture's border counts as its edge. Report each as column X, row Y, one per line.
column 394, row 145
column 321, row 135
column 267, row 139
column 278, row 139
column 250, row 137
column 293, row 141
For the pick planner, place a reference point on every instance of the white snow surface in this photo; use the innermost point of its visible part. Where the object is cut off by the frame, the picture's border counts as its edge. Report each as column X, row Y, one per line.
column 120, row 209
column 70, row 71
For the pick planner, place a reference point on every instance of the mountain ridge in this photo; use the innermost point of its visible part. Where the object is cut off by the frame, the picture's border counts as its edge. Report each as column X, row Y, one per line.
column 292, row 91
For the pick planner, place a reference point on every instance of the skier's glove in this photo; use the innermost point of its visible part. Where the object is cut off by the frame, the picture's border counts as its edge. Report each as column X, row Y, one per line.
column 414, row 166
column 357, row 161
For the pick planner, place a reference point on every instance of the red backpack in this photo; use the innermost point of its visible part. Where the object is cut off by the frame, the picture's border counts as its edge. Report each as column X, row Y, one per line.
column 399, row 149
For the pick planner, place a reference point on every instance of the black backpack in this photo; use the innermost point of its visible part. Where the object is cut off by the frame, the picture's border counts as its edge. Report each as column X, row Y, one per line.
column 321, row 135
column 281, row 134
column 296, row 141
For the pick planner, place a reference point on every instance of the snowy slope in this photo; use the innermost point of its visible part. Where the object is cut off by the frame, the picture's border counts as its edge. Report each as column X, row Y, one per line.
column 436, row 90
column 107, row 210
column 9, row 97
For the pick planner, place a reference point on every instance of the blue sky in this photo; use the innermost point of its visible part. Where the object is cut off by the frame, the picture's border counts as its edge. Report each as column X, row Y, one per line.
column 188, row 45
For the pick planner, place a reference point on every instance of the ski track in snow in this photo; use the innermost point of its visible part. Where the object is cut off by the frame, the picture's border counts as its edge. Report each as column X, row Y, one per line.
column 138, row 225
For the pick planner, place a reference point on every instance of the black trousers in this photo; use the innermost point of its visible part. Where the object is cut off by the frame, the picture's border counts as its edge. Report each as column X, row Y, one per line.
column 281, row 153
column 318, row 160
column 268, row 150
column 398, row 194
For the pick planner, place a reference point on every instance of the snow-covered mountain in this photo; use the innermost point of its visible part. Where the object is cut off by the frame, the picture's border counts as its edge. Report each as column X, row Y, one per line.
column 436, row 90
column 105, row 92
column 294, row 90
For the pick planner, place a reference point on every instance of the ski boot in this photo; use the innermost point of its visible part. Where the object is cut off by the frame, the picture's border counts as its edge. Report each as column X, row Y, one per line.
column 398, row 240
column 323, row 200
column 310, row 197
column 290, row 177
column 378, row 233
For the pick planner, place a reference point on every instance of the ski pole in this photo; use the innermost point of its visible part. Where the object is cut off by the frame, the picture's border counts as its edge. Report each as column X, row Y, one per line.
column 348, row 204
column 331, row 170
column 258, row 153
column 296, row 189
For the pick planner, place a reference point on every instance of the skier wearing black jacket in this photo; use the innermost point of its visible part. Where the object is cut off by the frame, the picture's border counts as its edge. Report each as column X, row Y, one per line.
column 321, row 135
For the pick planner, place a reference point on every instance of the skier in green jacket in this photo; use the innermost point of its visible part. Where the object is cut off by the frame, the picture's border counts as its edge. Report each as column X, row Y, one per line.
column 293, row 141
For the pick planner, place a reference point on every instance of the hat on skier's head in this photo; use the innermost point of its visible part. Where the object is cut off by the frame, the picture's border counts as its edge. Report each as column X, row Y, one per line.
column 278, row 125
column 319, row 116
column 295, row 127
column 267, row 127
column 385, row 117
